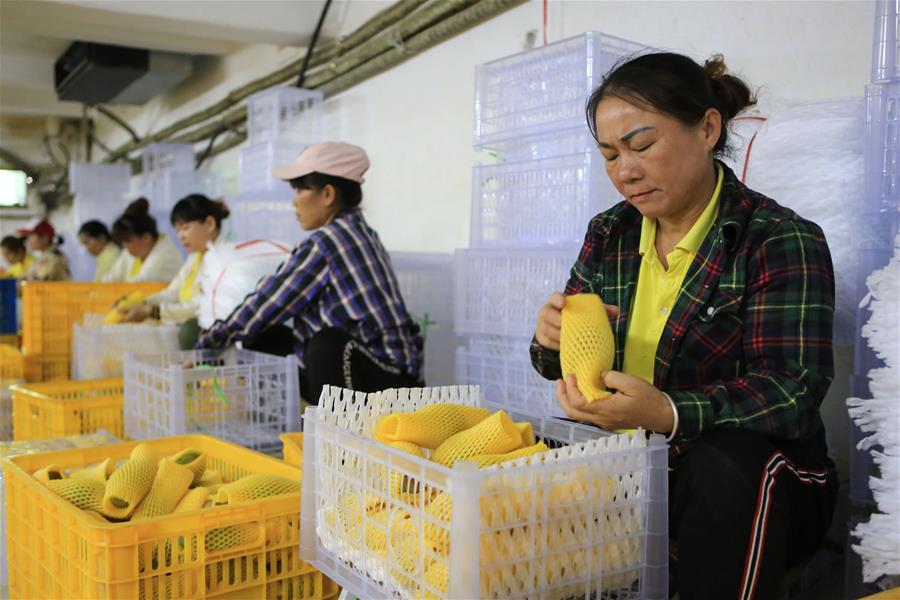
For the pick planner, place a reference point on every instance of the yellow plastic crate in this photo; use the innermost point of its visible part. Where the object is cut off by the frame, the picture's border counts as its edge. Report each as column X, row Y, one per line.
column 10, row 339
column 293, row 448
column 55, row 409
column 12, row 362
column 46, row 367
column 59, row 551
column 50, row 308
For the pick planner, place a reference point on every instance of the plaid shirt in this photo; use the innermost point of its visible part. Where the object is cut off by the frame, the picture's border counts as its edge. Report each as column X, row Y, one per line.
column 748, row 342
column 341, row 276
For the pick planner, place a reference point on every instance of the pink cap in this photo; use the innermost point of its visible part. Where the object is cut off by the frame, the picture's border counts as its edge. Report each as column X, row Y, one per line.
column 329, row 158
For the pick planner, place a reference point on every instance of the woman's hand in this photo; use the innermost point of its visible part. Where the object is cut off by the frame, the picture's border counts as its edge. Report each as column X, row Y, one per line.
column 635, row 403
column 136, row 313
column 549, row 322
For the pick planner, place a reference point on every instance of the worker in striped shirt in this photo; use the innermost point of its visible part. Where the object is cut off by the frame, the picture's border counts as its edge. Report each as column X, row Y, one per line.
column 349, row 325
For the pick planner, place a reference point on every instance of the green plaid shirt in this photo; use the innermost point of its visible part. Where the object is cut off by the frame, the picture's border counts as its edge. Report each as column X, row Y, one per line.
column 748, row 342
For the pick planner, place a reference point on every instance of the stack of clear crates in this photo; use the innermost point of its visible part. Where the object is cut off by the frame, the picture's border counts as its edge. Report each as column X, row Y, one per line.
column 265, row 215
column 587, row 519
column 280, row 123
column 245, row 397
column 98, row 349
column 100, row 190
column 531, row 205
column 427, row 286
column 543, row 89
column 880, row 219
column 169, row 175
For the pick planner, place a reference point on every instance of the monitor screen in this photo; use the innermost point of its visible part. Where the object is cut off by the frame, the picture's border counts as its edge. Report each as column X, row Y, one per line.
column 13, row 190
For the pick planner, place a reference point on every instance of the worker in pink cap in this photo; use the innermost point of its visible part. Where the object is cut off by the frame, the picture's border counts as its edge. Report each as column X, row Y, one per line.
column 49, row 263
column 350, row 327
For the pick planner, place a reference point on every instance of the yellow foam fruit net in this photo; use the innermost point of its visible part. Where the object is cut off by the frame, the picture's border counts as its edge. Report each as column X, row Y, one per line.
column 193, row 460
column 128, row 485
column 253, row 487
column 430, row 426
column 114, row 316
column 195, row 499
column 85, row 493
column 99, row 472
column 49, row 473
column 496, row 434
column 587, row 345
column 169, row 487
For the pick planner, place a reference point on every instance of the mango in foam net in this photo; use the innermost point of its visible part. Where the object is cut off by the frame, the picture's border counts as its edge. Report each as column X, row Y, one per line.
column 169, row 487
column 99, row 472
column 496, row 434
column 587, row 344
column 128, row 485
column 49, row 473
column 429, row 426
column 114, row 315
column 86, row 494
column 193, row 460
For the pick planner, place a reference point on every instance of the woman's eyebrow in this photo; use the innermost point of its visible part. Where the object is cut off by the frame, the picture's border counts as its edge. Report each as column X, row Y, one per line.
column 627, row 136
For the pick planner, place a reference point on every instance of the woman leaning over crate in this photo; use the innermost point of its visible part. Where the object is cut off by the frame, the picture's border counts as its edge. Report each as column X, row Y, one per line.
column 198, row 224
column 350, row 325
column 721, row 303
column 148, row 256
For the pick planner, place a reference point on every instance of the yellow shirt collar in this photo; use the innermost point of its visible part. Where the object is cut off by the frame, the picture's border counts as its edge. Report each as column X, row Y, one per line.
column 692, row 240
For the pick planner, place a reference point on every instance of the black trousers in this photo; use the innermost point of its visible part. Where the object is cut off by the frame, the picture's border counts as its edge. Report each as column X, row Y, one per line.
column 334, row 357
column 742, row 511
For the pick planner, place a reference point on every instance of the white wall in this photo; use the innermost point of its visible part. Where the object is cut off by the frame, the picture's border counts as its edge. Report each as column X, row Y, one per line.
column 416, row 120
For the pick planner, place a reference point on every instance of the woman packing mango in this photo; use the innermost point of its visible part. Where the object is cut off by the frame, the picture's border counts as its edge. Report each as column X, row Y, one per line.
column 148, row 255
column 197, row 221
column 350, row 325
column 97, row 240
column 721, row 302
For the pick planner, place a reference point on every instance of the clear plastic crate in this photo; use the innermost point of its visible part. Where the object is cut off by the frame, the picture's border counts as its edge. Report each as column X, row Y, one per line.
column 543, row 89
column 165, row 188
column 9, row 449
column 588, row 519
column 245, row 397
column 501, row 366
column 255, row 164
column 883, row 147
column 284, row 112
column 536, row 202
column 98, row 350
column 263, row 215
column 426, row 284
column 105, row 206
column 158, row 158
column 6, row 423
column 99, row 179
column 886, row 41
column 499, row 291
column 575, row 140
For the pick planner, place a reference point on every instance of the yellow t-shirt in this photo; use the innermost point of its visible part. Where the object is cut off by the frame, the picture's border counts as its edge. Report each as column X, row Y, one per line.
column 18, row 270
column 105, row 260
column 186, row 292
column 657, row 288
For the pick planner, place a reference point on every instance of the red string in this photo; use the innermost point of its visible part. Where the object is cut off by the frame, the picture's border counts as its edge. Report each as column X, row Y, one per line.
column 750, row 145
column 545, row 22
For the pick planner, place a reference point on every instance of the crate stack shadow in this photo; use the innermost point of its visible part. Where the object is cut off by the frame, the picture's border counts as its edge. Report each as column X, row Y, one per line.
column 531, row 205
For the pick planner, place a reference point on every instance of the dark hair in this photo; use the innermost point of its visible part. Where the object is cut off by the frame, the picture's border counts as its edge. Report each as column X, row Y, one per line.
column 349, row 192
column 196, row 207
column 136, row 220
column 94, row 229
column 675, row 85
column 13, row 244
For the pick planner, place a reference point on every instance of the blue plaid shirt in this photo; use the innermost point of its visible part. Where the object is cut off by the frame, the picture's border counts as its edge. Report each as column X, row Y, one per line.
column 341, row 276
